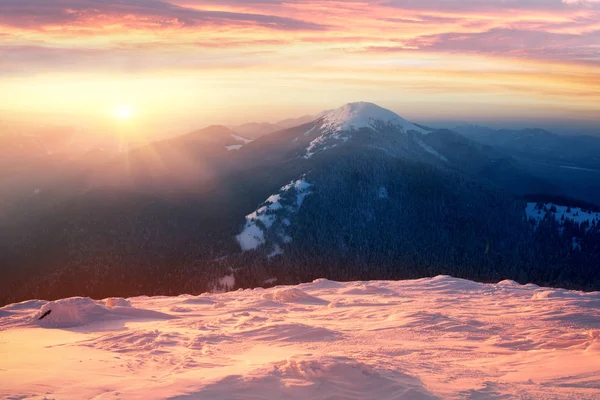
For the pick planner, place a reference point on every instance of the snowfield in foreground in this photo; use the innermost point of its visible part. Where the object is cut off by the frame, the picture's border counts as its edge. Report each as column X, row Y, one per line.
column 439, row 338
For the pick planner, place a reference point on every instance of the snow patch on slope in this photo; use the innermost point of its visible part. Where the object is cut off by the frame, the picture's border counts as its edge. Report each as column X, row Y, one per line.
column 561, row 213
column 234, row 147
column 277, row 251
column 273, row 216
column 237, row 138
column 321, row 143
column 241, row 139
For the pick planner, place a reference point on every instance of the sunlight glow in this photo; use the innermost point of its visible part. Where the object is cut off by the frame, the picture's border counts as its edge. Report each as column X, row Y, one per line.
column 124, row 112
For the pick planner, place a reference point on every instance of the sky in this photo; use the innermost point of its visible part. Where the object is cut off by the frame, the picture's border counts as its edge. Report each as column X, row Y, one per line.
column 182, row 63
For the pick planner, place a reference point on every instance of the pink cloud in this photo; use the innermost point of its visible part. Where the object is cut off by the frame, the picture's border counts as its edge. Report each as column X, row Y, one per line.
column 565, row 30
column 40, row 13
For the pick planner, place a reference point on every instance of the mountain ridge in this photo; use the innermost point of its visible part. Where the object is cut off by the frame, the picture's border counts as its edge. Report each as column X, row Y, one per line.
column 377, row 199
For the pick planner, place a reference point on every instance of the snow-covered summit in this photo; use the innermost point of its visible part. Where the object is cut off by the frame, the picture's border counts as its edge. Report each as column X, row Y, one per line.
column 335, row 127
column 363, row 115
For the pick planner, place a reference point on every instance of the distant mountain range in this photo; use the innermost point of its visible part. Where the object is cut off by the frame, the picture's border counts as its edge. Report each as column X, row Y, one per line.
column 353, row 193
column 539, row 144
column 572, row 163
column 255, row 130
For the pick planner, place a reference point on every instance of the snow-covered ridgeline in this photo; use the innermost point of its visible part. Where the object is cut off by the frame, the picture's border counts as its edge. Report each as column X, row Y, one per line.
column 561, row 213
column 338, row 125
column 273, row 216
column 363, row 115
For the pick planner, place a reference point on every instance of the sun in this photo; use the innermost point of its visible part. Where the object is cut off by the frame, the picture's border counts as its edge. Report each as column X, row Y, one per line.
column 123, row 112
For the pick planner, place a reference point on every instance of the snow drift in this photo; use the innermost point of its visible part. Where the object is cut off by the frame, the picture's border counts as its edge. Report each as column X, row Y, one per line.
column 438, row 338
column 79, row 311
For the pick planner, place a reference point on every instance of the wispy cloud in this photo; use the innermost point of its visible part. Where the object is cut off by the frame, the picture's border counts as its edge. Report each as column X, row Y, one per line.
column 36, row 14
column 507, row 42
column 382, row 46
column 488, row 5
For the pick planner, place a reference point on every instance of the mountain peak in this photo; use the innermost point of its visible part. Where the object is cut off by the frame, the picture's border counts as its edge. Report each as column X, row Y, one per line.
column 362, row 115
column 334, row 127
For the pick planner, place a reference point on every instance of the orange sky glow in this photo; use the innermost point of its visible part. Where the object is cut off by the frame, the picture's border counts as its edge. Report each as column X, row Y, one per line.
column 231, row 62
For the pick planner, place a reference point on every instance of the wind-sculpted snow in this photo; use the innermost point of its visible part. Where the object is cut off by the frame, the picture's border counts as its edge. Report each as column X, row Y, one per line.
column 117, row 302
column 78, row 311
column 293, row 295
column 316, row 378
column 437, row 338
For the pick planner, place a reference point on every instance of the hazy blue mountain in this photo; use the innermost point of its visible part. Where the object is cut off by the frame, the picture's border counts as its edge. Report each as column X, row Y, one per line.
column 574, row 151
column 571, row 162
column 254, row 130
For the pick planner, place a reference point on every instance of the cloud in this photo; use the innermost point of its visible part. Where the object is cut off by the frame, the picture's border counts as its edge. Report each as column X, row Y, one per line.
column 163, row 31
column 486, row 5
column 36, row 14
column 507, row 42
column 581, row 2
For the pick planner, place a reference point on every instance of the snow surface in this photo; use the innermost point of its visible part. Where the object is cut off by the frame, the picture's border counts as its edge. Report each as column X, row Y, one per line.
column 438, row 338
column 337, row 125
column 260, row 222
column 234, row 147
column 575, row 214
